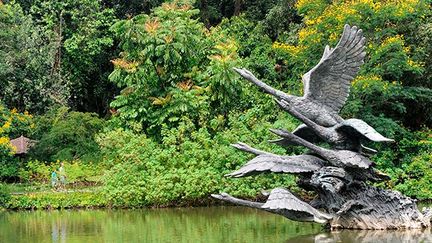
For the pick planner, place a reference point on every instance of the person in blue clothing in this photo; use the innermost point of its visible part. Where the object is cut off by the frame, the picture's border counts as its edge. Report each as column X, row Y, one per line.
column 54, row 179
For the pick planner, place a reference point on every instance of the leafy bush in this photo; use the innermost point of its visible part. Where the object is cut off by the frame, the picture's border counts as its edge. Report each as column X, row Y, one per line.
column 66, row 135
column 4, row 196
column 9, row 169
column 12, row 125
column 188, row 165
column 57, row 200
column 36, row 171
column 408, row 163
column 415, row 179
column 76, row 171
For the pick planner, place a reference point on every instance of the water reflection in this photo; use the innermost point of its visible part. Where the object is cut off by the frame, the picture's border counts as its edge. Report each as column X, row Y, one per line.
column 215, row 224
column 368, row 236
column 58, row 230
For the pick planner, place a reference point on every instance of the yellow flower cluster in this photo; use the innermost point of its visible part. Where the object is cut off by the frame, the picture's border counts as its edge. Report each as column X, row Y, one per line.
column 393, row 39
column 365, row 81
column 397, row 39
column 307, row 32
column 7, row 124
column 415, row 64
column 12, row 118
column 341, row 12
column 334, row 36
column 4, row 141
column 5, row 144
column 405, row 7
column 301, row 3
column 309, row 21
column 293, row 50
column 401, row 7
column 316, row 10
column 312, row 20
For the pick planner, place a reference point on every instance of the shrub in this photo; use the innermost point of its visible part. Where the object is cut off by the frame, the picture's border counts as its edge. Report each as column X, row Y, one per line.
column 76, row 171
column 57, row 200
column 408, row 163
column 66, row 135
column 188, row 164
column 12, row 125
column 416, row 178
column 4, row 196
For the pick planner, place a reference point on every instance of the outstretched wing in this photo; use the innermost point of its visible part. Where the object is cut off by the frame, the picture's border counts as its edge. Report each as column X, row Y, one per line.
column 291, row 207
column 359, row 128
column 279, row 164
column 329, row 81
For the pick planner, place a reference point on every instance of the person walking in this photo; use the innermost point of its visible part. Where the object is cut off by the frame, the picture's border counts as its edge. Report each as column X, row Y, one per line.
column 62, row 175
column 54, row 179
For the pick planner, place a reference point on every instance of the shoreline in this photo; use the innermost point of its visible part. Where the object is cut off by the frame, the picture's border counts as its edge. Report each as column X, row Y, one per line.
column 95, row 200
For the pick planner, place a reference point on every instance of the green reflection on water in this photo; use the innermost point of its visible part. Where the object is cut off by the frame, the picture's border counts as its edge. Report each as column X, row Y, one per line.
column 214, row 224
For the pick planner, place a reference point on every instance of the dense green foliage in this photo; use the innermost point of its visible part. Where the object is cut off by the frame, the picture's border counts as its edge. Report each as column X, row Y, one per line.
column 187, row 166
column 160, row 74
column 13, row 124
column 77, row 172
column 58, row 200
column 27, row 55
column 172, row 68
column 409, row 165
column 5, row 196
column 84, row 41
column 66, row 135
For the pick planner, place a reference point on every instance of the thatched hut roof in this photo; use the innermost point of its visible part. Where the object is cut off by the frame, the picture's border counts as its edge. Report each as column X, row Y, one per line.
column 22, row 144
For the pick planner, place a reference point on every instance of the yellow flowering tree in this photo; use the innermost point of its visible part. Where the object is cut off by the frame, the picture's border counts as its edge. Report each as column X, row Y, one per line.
column 392, row 77
column 393, row 90
column 12, row 124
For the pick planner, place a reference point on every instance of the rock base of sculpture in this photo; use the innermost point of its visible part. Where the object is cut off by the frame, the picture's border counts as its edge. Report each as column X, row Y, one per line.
column 366, row 207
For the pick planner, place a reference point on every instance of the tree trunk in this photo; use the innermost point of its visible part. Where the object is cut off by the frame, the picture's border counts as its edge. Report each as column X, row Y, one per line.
column 237, row 7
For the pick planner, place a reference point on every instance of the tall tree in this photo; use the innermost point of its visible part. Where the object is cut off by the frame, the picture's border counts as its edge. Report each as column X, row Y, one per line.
column 85, row 46
column 27, row 63
column 171, row 67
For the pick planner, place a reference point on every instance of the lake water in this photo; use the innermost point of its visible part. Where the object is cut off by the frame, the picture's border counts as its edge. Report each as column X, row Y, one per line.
column 213, row 224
